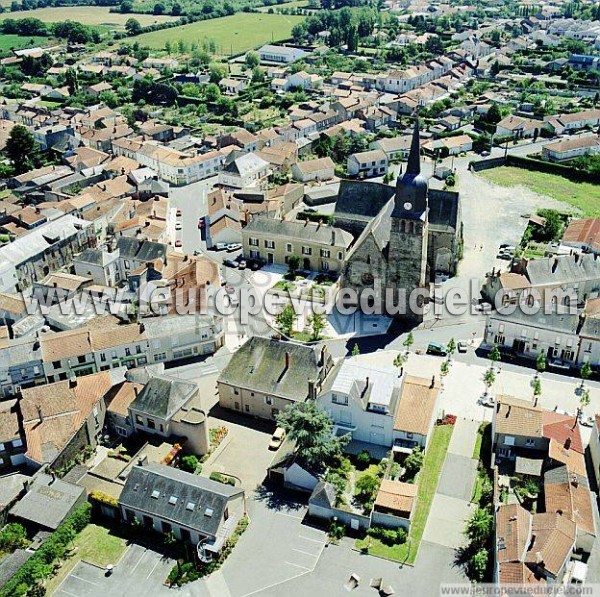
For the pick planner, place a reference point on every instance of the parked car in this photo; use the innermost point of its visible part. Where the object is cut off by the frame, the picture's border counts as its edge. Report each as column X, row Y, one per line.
column 277, row 438
column 233, row 247
column 560, row 364
column 230, row 263
column 485, row 153
column 242, row 264
column 486, row 401
column 220, row 246
column 178, row 243
column 586, row 421
column 178, row 226
column 231, row 294
column 178, row 213
column 437, row 349
column 462, row 346
column 200, row 223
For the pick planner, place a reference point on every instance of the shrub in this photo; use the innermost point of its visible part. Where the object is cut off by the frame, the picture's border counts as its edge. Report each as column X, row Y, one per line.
column 363, row 460
column 388, row 537
column 216, row 476
column 189, row 464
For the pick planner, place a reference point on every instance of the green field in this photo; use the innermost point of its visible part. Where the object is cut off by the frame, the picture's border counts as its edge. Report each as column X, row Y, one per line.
column 428, row 480
column 233, row 35
column 8, row 42
column 285, row 5
column 582, row 195
column 87, row 15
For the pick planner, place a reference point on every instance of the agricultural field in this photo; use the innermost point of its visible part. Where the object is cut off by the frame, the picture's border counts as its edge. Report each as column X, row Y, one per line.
column 86, row 15
column 232, row 35
column 285, row 5
column 581, row 195
column 17, row 42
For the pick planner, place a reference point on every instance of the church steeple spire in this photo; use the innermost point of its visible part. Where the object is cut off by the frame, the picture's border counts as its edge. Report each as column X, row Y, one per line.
column 414, row 158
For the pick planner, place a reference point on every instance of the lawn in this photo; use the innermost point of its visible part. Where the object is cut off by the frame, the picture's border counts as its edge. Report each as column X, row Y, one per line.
column 18, row 42
column 582, row 195
column 87, row 15
column 428, row 481
column 95, row 545
column 232, row 35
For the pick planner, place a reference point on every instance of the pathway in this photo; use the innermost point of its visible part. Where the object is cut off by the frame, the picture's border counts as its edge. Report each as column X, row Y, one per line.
column 451, row 505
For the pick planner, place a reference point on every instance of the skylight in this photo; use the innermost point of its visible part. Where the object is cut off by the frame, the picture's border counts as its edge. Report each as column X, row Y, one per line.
column 190, row 506
column 172, row 500
column 155, row 494
column 208, row 512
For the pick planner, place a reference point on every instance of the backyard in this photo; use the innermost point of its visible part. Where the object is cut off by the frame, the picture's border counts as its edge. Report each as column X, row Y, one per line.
column 95, row 545
column 581, row 195
column 428, row 480
column 232, row 35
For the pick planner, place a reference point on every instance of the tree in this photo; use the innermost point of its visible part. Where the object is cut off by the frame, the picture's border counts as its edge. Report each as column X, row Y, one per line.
column 168, row 47
column 408, row 341
column 176, row 9
column 585, row 372
column 252, row 60
column 494, row 115
column 495, row 68
column 159, row 8
column 317, row 323
column 72, row 81
column 366, row 488
column 355, row 350
column 540, row 362
column 478, row 564
column 494, row 354
column 489, row 377
column 126, row 6
column 311, row 428
column 133, row 27
column 444, row 368
column 293, row 263
column 399, row 361
column 537, row 390
column 480, row 526
column 189, row 463
column 285, row 320
column 552, row 225
column 212, row 93
column 413, row 463
column 451, row 346
column 20, row 147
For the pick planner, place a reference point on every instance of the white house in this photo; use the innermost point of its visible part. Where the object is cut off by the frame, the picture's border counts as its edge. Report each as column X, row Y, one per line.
column 368, row 163
column 244, row 170
column 568, row 149
column 283, row 54
column 314, row 170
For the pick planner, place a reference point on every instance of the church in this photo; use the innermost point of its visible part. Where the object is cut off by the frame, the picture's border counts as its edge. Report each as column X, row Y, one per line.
column 403, row 235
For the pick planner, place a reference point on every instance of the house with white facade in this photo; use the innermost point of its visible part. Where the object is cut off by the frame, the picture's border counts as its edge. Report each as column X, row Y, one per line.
column 367, row 164
column 281, row 54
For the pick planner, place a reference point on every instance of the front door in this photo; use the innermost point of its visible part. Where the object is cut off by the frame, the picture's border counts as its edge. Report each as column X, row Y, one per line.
column 270, row 258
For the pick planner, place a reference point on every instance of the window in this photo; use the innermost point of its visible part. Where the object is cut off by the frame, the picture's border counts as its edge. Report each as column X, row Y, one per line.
column 237, row 406
column 81, row 360
column 138, row 349
column 530, row 443
column 114, row 354
column 56, row 364
column 161, row 356
column 325, row 253
column 139, row 420
column 269, row 244
column 254, row 255
column 247, row 408
column 226, row 514
column 274, row 412
column 253, row 242
column 128, row 352
column 409, row 435
column 268, row 400
column 340, row 255
column 151, row 424
column 103, row 357
column 306, row 251
column 325, row 266
column 341, row 400
column 236, row 392
column 289, row 247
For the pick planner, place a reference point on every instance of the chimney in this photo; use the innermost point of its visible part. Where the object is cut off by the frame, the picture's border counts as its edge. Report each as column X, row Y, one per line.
column 312, row 389
column 136, row 390
column 142, row 328
column 52, row 477
column 554, row 264
column 40, row 414
column 574, row 480
column 72, row 382
column 432, row 382
column 538, row 558
column 143, row 460
column 287, row 360
column 333, row 237
column 567, row 443
column 323, row 355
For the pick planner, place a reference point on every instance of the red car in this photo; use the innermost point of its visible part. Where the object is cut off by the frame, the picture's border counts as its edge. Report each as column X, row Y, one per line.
column 178, row 243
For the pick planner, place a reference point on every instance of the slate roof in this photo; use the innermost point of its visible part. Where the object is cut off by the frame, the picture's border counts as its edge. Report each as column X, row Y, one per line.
column 308, row 231
column 163, row 397
column 562, row 269
column 362, row 200
column 323, row 495
column 201, row 494
column 48, row 502
column 260, row 365
column 10, row 565
column 140, row 250
column 443, row 208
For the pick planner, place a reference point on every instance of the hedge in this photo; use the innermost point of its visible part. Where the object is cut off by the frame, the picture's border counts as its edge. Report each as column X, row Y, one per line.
column 40, row 565
column 551, row 168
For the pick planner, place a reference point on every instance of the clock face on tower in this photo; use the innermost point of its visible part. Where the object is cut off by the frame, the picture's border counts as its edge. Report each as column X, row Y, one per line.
column 408, row 206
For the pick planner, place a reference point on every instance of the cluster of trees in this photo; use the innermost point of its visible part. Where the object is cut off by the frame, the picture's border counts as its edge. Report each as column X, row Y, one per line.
column 69, row 30
column 345, row 26
column 20, row 149
column 588, row 163
column 341, row 146
column 151, row 92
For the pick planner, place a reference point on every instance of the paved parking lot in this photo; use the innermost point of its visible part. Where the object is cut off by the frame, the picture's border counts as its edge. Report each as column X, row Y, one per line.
column 140, row 572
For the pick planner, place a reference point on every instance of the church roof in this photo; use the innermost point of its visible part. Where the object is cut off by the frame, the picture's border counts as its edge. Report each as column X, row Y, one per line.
column 362, row 200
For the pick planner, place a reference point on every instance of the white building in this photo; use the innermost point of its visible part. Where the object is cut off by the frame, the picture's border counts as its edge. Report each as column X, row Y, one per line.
column 283, row 54
column 368, row 163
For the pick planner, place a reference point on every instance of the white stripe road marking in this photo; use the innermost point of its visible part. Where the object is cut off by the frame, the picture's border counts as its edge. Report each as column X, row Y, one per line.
column 291, row 516
column 153, row 569
column 84, row 580
column 312, row 555
column 138, row 562
column 310, row 539
column 67, row 593
column 298, row 566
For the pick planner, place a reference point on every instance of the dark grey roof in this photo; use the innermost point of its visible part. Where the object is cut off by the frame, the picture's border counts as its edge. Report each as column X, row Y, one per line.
column 165, row 482
column 11, row 564
column 91, row 256
column 591, row 328
column 563, row 269
column 140, row 250
column 323, row 495
column 362, row 200
column 443, row 208
column 260, row 365
column 162, row 397
column 562, row 475
column 47, row 503
column 307, row 231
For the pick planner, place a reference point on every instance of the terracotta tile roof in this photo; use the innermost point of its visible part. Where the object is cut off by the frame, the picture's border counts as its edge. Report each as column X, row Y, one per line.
column 117, row 336
column 518, row 417
column 574, row 501
column 12, row 303
column 316, row 165
column 9, row 421
column 517, row 573
column 574, row 461
column 554, row 541
column 584, row 231
column 396, row 496
column 564, row 429
column 65, row 344
column 417, row 403
column 126, row 394
column 513, row 528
